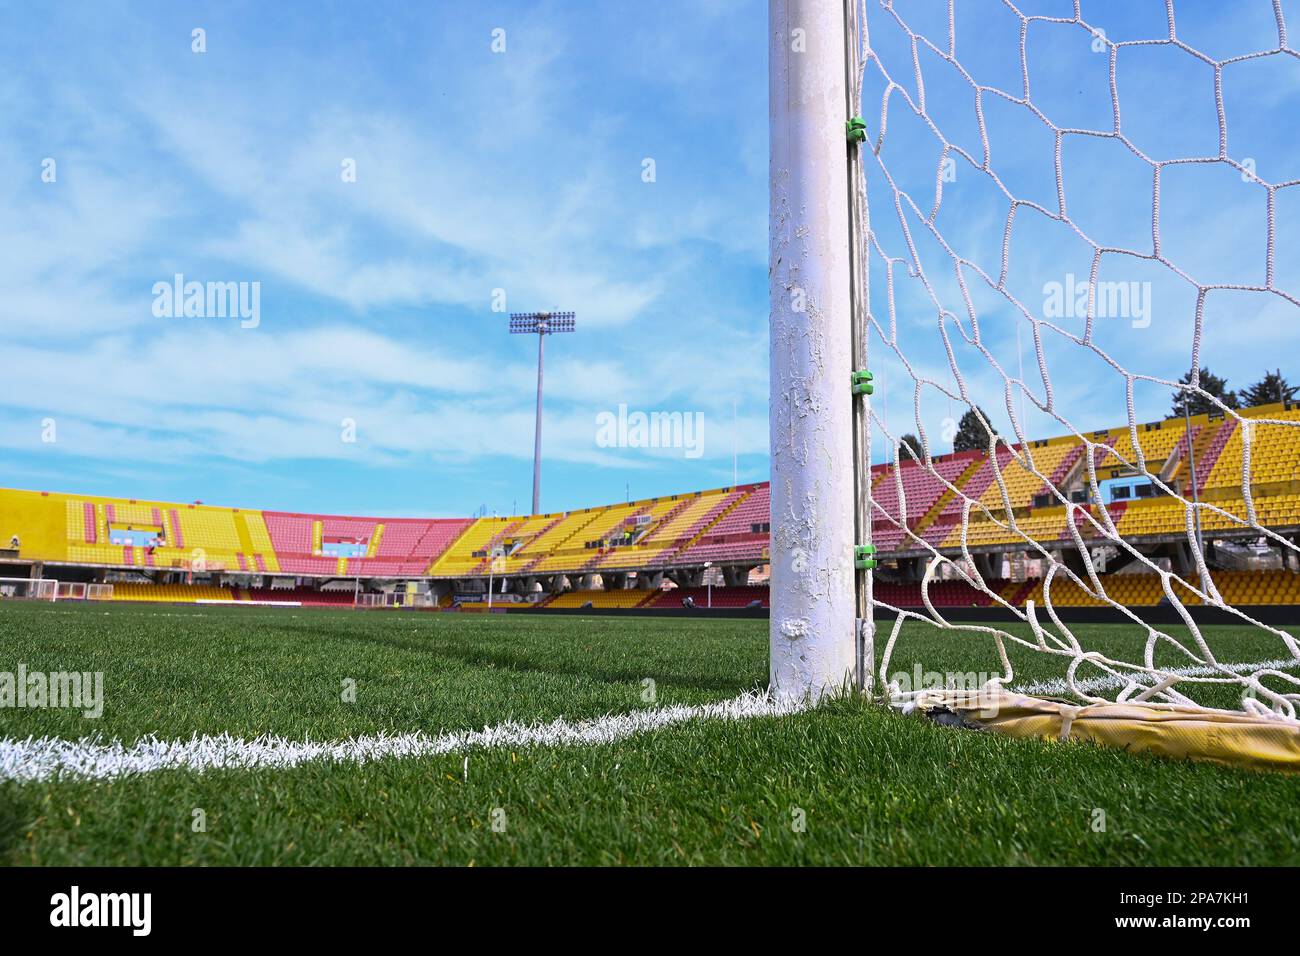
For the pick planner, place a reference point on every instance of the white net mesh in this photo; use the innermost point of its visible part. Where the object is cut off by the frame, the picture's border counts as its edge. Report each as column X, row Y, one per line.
column 1127, row 240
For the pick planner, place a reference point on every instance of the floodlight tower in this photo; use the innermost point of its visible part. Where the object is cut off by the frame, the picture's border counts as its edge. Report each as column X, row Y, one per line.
column 540, row 324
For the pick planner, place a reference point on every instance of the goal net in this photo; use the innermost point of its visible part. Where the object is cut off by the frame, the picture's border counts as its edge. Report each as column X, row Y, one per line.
column 34, row 589
column 1073, row 220
column 398, row 597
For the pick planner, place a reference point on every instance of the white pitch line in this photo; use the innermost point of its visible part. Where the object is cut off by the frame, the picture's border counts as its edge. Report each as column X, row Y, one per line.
column 1059, row 687
column 49, row 758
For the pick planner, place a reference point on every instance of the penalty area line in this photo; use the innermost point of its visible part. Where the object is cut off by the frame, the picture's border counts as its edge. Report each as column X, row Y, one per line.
column 35, row 760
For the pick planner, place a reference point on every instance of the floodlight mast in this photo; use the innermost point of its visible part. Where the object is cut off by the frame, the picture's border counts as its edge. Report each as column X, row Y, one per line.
column 540, row 324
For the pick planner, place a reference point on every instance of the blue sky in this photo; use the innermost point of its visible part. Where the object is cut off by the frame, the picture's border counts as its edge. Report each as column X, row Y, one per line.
column 522, row 171
column 1212, row 218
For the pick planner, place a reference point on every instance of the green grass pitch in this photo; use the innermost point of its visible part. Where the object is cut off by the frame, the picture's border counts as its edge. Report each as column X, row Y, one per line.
column 846, row 783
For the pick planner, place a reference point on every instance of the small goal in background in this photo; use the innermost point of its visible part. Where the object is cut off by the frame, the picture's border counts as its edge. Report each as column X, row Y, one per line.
column 31, row 589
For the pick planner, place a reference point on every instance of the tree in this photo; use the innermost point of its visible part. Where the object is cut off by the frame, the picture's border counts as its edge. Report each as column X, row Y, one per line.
column 910, row 441
column 1199, row 404
column 972, row 433
column 1269, row 389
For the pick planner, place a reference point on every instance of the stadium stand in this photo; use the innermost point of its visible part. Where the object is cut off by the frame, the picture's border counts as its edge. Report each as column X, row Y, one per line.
column 740, row 532
column 1242, row 588
column 622, row 598
column 171, row 593
column 722, row 597
column 308, row 597
column 724, row 527
column 684, row 527
column 941, row 593
column 1238, row 588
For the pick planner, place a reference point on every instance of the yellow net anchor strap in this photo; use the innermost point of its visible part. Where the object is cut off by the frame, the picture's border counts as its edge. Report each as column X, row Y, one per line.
column 1169, row 730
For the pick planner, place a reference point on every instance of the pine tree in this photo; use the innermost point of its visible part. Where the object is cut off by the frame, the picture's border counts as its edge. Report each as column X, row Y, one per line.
column 972, row 433
column 910, row 441
column 1268, row 390
column 1199, row 404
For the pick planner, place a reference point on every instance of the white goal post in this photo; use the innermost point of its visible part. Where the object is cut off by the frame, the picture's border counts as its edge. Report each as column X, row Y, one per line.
column 812, row 587
column 908, row 234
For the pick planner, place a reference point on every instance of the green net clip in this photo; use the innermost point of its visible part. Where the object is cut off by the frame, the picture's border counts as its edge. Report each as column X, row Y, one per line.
column 856, row 129
column 862, row 380
column 864, row 557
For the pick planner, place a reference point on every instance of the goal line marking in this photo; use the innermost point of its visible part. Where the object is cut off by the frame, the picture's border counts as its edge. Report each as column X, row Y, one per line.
column 36, row 760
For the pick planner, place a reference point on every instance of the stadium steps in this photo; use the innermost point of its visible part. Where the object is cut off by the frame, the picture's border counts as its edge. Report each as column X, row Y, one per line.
column 1080, row 516
column 550, row 525
column 1171, row 465
column 245, row 541
column 1070, row 467
column 1016, row 591
column 591, row 563
column 373, row 547
column 579, row 526
column 493, row 542
column 727, row 509
column 557, row 550
column 432, row 529
column 317, row 536
column 948, row 496
column 1180, row 457
column 530, row 560
column 450, row 551
column 622, row 598
column 1206, row 461
column 681, row 520
column 642, row 549
column 710, row 517
column 1115, row 509
column 616, row 532
column 672, row 513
